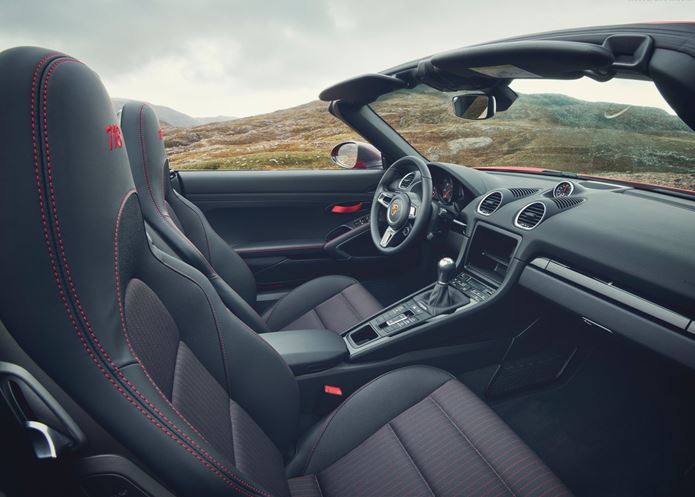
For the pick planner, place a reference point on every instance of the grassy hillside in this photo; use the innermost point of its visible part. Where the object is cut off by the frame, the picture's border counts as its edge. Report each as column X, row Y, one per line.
column 300, row 137
column 540, row 130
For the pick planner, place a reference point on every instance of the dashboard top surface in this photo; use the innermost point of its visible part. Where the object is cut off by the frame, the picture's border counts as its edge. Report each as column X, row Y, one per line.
column 640, row 240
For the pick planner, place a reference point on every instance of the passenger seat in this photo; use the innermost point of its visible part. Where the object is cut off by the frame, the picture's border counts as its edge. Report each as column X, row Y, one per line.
column 334, row 303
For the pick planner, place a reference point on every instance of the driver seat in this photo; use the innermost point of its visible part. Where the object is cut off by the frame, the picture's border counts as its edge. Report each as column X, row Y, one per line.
column 176, row 225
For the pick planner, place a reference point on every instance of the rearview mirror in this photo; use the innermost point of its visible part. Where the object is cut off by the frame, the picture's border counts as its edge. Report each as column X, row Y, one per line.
column 356, row 155
column 474, row 106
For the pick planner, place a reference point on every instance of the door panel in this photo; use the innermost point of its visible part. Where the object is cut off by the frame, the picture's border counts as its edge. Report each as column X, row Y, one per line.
column 285, row 224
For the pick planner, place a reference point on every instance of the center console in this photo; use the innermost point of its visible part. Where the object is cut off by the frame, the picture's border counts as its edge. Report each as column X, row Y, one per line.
column 477, row 277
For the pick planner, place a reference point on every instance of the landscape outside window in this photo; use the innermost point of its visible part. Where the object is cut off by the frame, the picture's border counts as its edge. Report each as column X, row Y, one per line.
column 298, row 138
column 631, row 135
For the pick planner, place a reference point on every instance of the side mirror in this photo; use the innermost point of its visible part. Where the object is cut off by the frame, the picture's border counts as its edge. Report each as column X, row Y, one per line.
column 356, row 155
column 474, row 105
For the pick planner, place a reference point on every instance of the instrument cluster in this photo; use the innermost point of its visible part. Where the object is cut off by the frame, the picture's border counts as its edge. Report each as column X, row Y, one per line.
column 446, row 190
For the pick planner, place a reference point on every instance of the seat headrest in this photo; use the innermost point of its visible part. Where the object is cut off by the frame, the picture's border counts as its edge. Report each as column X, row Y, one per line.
column 148, row 161
column 64, row 177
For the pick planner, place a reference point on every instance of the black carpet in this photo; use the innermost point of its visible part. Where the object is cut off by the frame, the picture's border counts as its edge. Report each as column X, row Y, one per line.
column 621, row 424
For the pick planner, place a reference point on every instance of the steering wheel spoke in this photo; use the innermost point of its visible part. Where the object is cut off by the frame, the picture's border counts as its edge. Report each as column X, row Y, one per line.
column 387, row 237
column 385, row 198
column 415, row 203
column 408, row 228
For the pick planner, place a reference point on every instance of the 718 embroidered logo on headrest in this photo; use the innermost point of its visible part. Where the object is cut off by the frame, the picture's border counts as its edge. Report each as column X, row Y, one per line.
column 114, row 132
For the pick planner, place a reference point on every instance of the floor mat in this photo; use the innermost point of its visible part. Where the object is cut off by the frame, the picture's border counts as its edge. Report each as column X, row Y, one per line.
column 623, row 424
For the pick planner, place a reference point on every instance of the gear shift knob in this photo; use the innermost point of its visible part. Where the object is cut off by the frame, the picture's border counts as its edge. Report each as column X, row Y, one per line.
column 446, row 269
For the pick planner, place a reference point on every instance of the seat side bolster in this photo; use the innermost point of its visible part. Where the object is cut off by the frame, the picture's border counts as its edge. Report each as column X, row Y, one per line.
column 227, row 263
column 362, row 414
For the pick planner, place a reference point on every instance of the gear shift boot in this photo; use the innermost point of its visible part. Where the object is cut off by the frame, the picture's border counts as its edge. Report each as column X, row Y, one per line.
column 443, row 297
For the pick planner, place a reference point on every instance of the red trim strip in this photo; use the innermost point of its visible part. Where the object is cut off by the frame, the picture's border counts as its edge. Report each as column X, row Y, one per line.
column 347, row 209
column 331, row 390
column 623, row 181
column 628, row 182
column 513, row 168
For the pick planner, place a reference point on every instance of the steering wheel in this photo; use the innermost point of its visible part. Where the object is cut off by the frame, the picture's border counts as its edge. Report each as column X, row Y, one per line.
column 407, row 213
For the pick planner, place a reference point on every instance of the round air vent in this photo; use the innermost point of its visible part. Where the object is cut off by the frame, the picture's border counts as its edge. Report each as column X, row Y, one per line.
column 530, row 216
column 406, row 181
column 490, row 203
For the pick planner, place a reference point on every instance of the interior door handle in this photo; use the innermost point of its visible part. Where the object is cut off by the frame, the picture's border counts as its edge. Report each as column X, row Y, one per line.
column 347, row 209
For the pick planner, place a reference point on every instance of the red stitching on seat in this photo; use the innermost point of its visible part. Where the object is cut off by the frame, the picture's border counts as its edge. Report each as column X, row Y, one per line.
column 124, row 328
column 122, row 317
column 198, row 216
column 166, row 218
column 68, row 274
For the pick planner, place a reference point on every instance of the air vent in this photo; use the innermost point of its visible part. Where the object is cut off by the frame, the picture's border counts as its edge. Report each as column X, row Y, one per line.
column 530, row 216
column 490, row 203
column 523, row 192
column 406, row 181
column 567, row 202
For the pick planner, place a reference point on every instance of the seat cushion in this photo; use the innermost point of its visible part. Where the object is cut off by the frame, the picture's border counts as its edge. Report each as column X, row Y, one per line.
column 417, row 432
column 330, row 302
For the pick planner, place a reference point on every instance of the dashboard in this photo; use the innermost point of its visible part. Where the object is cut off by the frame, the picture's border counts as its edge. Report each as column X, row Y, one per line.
column 625, row 250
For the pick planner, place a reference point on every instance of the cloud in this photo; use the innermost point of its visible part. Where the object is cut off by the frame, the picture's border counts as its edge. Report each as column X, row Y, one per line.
column 244, row 57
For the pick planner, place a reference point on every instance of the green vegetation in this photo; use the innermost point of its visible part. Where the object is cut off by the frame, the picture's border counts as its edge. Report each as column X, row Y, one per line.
column 299, row 138
column 539, row 130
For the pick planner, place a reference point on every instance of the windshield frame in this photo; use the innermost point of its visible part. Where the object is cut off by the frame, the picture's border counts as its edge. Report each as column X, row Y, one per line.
column 627, row 181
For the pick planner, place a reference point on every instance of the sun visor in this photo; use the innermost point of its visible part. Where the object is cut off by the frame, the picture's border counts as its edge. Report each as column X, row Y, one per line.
column 362, row 89
column 525, row 59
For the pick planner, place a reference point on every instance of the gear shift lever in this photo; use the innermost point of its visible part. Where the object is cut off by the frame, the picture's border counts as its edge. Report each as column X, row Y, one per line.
column 444, row 298
column 446, row 269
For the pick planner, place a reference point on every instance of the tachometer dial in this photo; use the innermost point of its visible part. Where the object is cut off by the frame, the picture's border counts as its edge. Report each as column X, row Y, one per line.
column 446, row 190
column 563, row 189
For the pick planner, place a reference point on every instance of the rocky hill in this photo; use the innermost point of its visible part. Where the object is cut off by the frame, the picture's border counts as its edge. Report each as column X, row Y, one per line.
column 173, row 117
column 539, row 130
column 300, row 137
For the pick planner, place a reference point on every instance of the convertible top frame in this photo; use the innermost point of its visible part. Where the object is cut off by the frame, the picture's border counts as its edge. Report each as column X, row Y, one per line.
column 663, row 53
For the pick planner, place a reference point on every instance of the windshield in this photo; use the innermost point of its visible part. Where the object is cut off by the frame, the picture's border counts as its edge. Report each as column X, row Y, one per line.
column 620, row 129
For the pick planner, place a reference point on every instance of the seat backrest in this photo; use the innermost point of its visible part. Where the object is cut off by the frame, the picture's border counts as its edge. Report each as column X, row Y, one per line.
column 180, row 223
column 138, row 338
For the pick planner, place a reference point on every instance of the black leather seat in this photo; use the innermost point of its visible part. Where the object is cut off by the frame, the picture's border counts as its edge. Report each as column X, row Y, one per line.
column 331, row 302
column 144, row 344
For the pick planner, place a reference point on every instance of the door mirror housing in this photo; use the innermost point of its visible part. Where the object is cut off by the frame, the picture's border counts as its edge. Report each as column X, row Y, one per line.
column 474, row 105
column 356, row 155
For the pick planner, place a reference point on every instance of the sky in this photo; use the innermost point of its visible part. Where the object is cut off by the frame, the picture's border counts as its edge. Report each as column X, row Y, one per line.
column 239, row 58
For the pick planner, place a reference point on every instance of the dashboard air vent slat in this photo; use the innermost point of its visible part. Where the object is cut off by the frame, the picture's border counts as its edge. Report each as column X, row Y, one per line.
column 490, row 203
column 567, row 202
column 522, row 192
column 530, row 216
